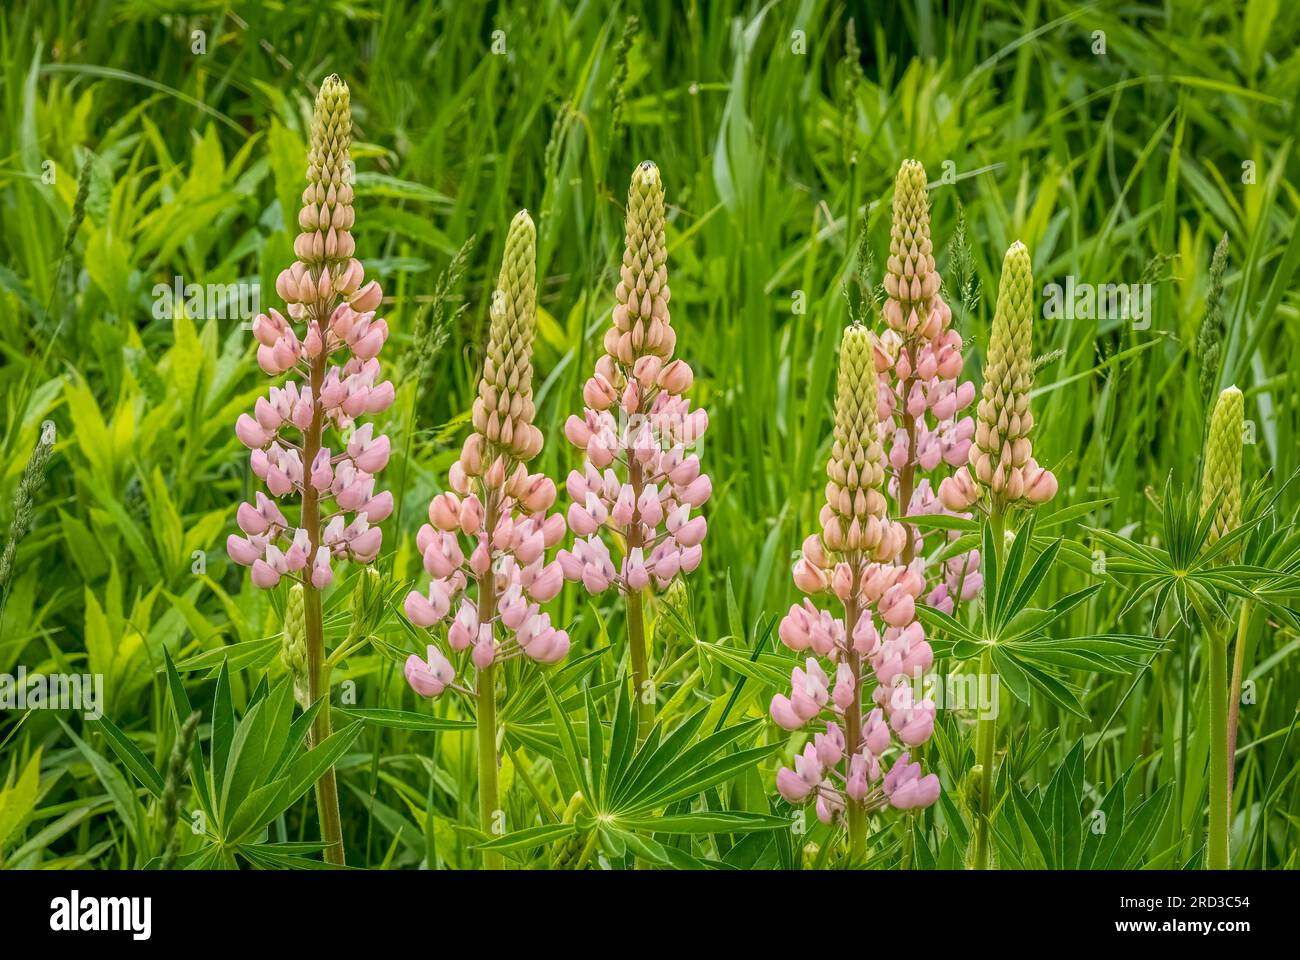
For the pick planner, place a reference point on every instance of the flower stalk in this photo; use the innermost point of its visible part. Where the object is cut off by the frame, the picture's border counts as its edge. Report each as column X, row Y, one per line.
column 855, row 557
column 486, row 539
column 1005, row 473
column 289, row 428
column 922, row 396
column 1221, row 492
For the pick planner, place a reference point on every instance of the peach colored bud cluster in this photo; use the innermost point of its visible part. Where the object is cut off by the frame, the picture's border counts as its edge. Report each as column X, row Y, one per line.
column 498, row 547
column 1001, row 458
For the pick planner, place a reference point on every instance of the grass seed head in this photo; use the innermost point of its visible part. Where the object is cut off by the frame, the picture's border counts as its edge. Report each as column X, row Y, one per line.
column 1209, row 338
column 33, row 479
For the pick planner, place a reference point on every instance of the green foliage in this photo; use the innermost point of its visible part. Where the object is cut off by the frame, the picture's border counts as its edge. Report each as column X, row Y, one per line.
column 130, row 161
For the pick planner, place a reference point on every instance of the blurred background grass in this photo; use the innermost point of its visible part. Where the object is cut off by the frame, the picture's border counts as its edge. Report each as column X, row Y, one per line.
column 778, row 137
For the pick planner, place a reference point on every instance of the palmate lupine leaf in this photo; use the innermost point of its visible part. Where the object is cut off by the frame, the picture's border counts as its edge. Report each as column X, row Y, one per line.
column 626, row 787
column 1188, row 570
column 1026, row 656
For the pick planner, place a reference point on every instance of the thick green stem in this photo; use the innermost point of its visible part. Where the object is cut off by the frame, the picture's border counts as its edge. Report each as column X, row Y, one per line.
column 907, row 476
column 1184, row 725
column 986, row 728
column 1234, row 695
column 318, row 686
column 642, row 686
column 487, row 759
column 985, row 737
column 1216, row 857
column 488, row 800
column 855, row 812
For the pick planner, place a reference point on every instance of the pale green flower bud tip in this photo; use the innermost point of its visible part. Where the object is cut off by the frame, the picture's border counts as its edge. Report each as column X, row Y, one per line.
column 1016, row 259
column 911, row 181
column 504, row 411
column 522, row 225
column 333, row 91
column 1013, row 317
column 855, row 469
column 367, row 601
column 645, row 199
column 1002, row 451
column 293, row 653
column 855, row 407
column 1222, row 476
column 646, row 175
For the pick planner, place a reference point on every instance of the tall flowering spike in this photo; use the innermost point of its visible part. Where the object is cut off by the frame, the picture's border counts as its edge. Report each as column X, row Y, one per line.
column 858, row 763
column 485, row 543
column 642, row 477
column 1222, row 472
column 922, row 397
column 303, row 436
column 641, row 480
column 503, row 413
column 1002, row 456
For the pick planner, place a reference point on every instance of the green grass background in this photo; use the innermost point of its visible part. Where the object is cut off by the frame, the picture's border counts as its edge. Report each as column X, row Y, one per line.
column 776, row 153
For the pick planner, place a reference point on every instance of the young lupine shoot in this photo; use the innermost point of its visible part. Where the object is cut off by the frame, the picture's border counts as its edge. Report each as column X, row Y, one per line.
column 855, row 558
column 640, row 481
column 303, row 435
column 485, row 543
column 1221, row 493
column 918, row 361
